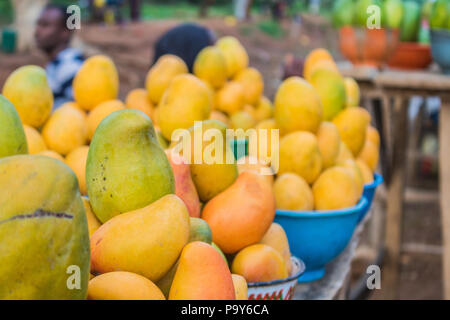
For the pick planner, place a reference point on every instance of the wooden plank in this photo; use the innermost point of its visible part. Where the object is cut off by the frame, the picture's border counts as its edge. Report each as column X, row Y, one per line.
column 413, row 80
column 394, row 212
column 444, row 154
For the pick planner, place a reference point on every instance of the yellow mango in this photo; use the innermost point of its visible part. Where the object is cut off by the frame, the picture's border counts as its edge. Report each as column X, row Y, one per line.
column 66, row 130
column 161, row 74
column 210, row 66
column 121, row 285
column 146, row 241
column 138, row 99
column 35, row 141
column 43, row 230
column 235, row 55
column 93, row 223
column 253, row 83
column 76, row 160
column 329, row 143
column 335, row 189
column 292, row 192
column 240, row 287
column 29, row 92
column 100, row 112
column 185, row 101
column 300, row 154
column 352, row 124
column 297, row 106
column 276, row 238
column 97, row 81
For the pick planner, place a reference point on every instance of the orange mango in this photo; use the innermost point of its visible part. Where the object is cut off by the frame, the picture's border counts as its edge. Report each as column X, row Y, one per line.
column 241, row 215
column 202, row 274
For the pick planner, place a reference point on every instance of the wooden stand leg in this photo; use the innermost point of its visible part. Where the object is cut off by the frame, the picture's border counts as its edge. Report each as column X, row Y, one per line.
column 444, row 162
column 394, row 214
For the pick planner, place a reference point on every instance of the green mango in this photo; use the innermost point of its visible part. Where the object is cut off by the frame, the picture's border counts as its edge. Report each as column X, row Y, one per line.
column 343, row 13
column 126, row 168
column 440, row 15
column 44, row 237
column 409, row 30
column 12, row 136
column 395, row 16
column 199, row 231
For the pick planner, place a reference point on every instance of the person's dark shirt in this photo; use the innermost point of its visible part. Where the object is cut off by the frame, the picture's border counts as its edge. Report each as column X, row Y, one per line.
column 184, row 41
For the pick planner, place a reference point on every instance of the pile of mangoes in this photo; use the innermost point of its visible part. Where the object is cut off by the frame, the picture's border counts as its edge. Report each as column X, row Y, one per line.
column 99, row 202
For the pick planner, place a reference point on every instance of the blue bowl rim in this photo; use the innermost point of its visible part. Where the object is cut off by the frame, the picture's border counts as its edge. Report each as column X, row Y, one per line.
column 301, row 270
column 377, row 180
column 325, row 213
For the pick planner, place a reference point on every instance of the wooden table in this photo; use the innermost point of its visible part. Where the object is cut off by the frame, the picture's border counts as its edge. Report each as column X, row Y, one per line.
column 395, row 88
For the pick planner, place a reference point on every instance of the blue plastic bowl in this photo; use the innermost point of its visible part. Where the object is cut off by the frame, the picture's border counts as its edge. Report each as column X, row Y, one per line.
column 440, row 48
column 369, row 193
column 240, row 148
column 317, row 237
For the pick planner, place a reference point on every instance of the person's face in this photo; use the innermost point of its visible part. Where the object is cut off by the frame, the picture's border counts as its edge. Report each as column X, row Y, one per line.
column 50, row 30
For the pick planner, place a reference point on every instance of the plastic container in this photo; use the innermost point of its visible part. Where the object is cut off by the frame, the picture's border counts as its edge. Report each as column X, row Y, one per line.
column 279, row 289
column 240, row 147
column 317, row 237
column 369, row 193
column 440, row 48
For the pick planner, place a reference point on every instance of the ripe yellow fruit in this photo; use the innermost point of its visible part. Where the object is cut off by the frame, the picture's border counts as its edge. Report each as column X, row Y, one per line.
column 122, row 285
column 263, row 143
column 365, row 171
column 235, row 55
column 185, row 101
column 242, row 120
column 312, row 59
column 276, row 238
column 161, row 74
column 344, row 153
column 138, row 99
column 97, row 81
column 329, row 143
column 210, row 66
column 100, row 112
column 297, row 106
column 352, row 124
column 230, row 98
column 373, row 135
column 335, row 189
column 51, row 154
column 264, row 109
column 253, row 83
column 65, row 130
column 370, row 155
column 322, row 65
column 330, row 86
column 292, row 192
column 76, row 160
column 249, row 163
column 217, row 115
column 93, row 222
column 240, row 287
column 35, row 141
column 352, row 92
column 356, row 174
column 27, row 89
column 299, row 153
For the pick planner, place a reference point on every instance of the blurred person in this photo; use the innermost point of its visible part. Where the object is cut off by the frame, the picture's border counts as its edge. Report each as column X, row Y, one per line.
column 184, row 41
column 53, row 37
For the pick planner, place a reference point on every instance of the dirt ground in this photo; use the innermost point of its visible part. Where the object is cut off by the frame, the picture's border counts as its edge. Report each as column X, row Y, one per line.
column 130, row 46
